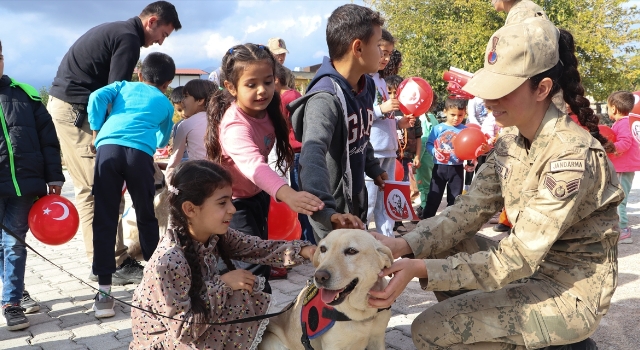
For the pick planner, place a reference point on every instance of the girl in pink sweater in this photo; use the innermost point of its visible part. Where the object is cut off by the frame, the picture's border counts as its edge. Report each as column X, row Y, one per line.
column 183, row 280
column 626, row 159
column 244, row 124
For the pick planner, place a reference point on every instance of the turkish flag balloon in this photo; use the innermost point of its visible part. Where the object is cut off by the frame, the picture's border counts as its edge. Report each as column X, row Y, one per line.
column 607, row 132
column 282, row 222
column 636, row 104
column 53, row 220
column 469, row 144
column 399, row 175
column 415, row 96
column 634, row 124
column 473, row 126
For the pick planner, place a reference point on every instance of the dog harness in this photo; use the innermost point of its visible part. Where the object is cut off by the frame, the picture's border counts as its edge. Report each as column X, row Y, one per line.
column 316, row 317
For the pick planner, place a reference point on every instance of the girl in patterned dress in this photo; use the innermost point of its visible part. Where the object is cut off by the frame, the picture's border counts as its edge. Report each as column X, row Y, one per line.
column 182, row 279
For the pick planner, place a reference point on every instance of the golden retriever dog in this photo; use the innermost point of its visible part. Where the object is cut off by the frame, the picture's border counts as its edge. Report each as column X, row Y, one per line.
column 347, row 264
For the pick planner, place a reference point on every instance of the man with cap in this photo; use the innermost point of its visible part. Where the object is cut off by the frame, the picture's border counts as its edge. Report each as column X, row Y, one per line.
column 105, row 54
column 279, row 50
column 549, row 283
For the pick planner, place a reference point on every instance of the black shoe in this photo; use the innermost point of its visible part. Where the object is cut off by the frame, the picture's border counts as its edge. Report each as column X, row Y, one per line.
column 115, row 280
column 501, row 228
column 130, row 271
column 15, row 317
column 587, row 344
column 29, row 305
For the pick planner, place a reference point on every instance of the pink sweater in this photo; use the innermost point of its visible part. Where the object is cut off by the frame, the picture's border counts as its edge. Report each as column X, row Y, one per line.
column 627, row 148
column 246, row 143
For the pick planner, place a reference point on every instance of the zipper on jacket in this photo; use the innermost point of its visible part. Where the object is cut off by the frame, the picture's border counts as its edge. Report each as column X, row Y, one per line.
column 10, row 149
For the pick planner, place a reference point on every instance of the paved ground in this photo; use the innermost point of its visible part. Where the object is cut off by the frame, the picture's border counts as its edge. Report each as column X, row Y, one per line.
column 65, row 322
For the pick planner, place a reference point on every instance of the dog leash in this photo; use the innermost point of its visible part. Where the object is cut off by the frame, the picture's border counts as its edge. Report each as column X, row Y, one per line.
column 240, row 320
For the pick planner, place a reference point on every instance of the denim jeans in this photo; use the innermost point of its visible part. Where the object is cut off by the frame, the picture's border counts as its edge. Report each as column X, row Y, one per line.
column 14, row 213
column 294, row 176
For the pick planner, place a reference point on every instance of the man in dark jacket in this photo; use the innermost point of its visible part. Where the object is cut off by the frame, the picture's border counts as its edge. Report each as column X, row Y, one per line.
column 29, row 162
column 333, row 121
column 103, row 55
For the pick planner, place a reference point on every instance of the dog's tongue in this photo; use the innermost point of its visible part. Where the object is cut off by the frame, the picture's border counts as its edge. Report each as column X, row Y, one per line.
column 327, row 295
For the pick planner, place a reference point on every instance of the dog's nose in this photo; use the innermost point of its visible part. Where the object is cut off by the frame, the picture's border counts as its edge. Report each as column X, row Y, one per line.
column 322, row 276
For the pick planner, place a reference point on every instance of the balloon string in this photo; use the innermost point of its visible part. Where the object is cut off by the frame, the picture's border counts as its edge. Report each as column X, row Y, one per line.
column 240, row 320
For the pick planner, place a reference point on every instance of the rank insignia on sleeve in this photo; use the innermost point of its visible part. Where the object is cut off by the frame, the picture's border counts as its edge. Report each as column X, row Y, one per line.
column 561, row 189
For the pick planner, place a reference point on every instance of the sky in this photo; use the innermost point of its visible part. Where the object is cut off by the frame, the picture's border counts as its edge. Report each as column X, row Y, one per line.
column 36, row 34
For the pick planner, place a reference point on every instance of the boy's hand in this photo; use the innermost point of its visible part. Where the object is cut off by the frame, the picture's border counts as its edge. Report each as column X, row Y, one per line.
column 390, row 105
column 416, row 162
column 54, row 189
column 379, row 181
column 239, row 279
column 408, row 121
column 339, row 221
column 469, row 168
column 308, row 251
column 92, row 146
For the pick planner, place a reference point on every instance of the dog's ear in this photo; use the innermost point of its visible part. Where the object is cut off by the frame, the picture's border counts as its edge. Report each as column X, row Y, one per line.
column 316, row 257
column 385, row 254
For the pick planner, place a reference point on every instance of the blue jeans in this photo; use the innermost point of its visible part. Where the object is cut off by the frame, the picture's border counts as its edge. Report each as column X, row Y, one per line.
column 294, row 176
column 14, row 213
column 626, row 179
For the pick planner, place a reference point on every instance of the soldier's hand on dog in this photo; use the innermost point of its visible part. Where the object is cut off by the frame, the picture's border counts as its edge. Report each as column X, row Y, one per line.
column 399, row 247
column 346, row 221
column 239, row 279
column 403, row 272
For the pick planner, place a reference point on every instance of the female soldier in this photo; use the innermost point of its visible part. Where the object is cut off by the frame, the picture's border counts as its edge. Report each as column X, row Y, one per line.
column 560, row 192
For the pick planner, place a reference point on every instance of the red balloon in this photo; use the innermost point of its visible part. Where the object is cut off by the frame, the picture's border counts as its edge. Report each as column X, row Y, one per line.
column 415, row 96
column 636, row 104
column 53, row 220
column 607, row 132
column 281, row 222
column 469, row 144
column 575, row 119
column 399, row 175
column 473, row 126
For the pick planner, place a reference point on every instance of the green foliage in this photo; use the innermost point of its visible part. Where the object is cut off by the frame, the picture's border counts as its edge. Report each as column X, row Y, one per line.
column 436, row 34
column 44, row 95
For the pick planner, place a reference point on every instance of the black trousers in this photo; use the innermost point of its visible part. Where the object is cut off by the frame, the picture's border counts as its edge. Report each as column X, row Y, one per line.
column 251, row 218
column 114, row 165
column 449, row 176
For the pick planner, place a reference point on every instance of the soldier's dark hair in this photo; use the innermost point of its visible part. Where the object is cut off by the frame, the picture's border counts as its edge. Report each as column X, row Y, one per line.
column 455, row 103
column 348, row 23
column 565, row 77
column 177, row 95
column 200, row 89
column 196, row 180
column 233, row 64
column 165, row 11
column 622, row 100
column 158, row 68
column 393, row 81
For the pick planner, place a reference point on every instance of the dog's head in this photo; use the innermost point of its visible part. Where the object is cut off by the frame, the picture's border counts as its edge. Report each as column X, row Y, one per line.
column 347, row 265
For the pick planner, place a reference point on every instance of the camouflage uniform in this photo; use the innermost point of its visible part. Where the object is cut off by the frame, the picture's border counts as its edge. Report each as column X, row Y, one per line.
column 522, row 10
column 561, row 195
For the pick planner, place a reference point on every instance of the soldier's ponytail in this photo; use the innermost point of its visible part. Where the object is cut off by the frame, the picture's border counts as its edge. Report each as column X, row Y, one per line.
column 566, row 77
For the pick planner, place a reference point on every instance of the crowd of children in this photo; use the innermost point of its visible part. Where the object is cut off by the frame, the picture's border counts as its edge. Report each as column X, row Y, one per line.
column 340, row 142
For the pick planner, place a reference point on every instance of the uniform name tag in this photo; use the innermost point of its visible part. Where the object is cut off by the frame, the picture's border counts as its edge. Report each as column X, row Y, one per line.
column 567, row 165
column 501, row 170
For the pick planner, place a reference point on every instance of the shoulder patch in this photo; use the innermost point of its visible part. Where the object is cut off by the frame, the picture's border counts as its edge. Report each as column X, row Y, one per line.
column 502, row 170
column 561, row 189
column 566, row 165
column 504, row 142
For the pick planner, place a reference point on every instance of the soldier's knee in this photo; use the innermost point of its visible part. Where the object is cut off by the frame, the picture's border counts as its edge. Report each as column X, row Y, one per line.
column 430, row 330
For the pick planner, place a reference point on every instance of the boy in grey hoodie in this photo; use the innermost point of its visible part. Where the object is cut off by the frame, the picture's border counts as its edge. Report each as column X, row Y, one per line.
column 333, row 121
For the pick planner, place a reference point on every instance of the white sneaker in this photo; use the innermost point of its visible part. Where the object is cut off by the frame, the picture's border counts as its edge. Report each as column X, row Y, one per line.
column 103, row 307
column 625, row 236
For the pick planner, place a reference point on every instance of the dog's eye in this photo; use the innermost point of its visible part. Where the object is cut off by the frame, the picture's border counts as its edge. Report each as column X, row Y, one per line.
column 350, row 251
column 323, row 249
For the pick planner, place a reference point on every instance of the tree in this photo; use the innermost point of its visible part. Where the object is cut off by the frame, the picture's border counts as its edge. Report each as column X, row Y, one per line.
column 435, row 34
column 44, row 95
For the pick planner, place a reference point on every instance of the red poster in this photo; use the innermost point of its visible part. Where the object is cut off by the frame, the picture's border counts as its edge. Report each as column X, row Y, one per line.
column 634, row 123
column 397, row 201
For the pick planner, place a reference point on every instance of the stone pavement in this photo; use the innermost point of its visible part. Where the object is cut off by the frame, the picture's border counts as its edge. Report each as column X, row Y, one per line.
column 66, row 322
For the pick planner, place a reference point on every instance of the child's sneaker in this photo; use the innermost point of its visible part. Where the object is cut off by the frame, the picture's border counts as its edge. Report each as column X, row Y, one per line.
column 15, row 317
column 103, row 306
column 625, row 236
column 29, row 305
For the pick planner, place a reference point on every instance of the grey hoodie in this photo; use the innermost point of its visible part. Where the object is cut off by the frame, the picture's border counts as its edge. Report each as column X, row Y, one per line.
column 318, row 121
